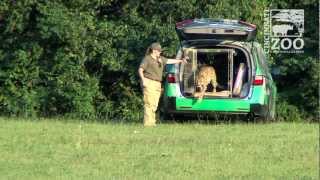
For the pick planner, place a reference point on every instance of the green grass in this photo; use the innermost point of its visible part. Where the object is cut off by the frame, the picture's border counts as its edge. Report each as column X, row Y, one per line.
column 52, row 149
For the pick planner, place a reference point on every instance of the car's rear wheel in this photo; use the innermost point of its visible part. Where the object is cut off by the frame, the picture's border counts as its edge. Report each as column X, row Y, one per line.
column 259, row 119
column 166, row 116
column 266, row 117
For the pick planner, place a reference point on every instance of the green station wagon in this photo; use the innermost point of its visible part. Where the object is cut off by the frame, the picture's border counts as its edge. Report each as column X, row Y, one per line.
column 245, row 85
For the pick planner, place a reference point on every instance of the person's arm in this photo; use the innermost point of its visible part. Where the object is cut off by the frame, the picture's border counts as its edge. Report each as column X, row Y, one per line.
column 175, row 61
column 140, row 72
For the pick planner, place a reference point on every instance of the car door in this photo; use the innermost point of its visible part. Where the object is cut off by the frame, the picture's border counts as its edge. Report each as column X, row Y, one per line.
column 188, row 72
column 270, row 85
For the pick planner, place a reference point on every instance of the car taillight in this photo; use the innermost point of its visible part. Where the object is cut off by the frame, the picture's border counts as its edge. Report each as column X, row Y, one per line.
column 171, row 78
column 258, row 80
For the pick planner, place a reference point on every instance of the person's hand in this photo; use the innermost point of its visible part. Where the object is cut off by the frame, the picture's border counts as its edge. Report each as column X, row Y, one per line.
column 185, row 59
column 142, row 83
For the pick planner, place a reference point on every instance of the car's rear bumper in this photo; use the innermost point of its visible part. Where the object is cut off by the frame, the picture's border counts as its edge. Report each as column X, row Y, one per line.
column 174, row 105
column 177, row 105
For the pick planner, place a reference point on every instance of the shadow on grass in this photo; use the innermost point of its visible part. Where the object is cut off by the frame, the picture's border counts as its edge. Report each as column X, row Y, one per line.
column 205, row 119
column 138, row 120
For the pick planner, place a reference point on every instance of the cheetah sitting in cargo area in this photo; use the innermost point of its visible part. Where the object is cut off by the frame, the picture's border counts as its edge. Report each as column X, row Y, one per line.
column 206, row 75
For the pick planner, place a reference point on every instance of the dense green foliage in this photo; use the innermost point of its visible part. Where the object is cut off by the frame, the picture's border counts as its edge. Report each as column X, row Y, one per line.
column 79, row 57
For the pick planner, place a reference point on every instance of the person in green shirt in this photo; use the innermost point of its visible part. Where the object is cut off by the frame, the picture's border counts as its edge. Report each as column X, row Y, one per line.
column 150, row 72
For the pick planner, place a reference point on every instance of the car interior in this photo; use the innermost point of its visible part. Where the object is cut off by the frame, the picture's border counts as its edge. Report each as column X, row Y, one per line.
column 231, row 68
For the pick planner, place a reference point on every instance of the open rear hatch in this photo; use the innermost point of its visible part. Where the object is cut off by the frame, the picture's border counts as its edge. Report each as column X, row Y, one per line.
column 213, row 29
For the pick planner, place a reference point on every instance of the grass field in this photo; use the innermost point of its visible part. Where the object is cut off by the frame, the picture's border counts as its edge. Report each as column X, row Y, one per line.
column 52, row 149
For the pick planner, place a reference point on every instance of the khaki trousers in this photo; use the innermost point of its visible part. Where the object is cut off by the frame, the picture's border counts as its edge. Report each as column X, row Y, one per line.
column 151, row 96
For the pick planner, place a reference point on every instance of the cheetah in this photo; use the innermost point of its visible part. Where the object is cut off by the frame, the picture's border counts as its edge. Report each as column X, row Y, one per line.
column 205, row 75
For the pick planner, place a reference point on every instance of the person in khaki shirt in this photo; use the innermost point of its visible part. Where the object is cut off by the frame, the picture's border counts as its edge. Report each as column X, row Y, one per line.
column 150, row 72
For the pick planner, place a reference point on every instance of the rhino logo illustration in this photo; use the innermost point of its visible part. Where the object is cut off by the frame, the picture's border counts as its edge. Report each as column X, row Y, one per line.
column 287, row 22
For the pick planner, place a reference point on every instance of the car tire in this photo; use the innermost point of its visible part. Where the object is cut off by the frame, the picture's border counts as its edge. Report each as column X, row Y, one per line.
column 166, row 116
column 259, row 119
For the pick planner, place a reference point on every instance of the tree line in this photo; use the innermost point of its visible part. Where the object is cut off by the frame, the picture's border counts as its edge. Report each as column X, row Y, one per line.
column 79, row 58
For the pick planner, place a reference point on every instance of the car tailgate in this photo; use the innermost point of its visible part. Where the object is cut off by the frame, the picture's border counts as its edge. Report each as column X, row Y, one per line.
column 212, row 29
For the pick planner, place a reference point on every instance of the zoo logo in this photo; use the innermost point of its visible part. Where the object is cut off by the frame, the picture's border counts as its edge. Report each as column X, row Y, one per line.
column 287, row 28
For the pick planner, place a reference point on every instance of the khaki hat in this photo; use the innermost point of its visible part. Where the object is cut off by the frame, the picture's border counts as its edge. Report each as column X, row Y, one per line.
column 156, row 46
